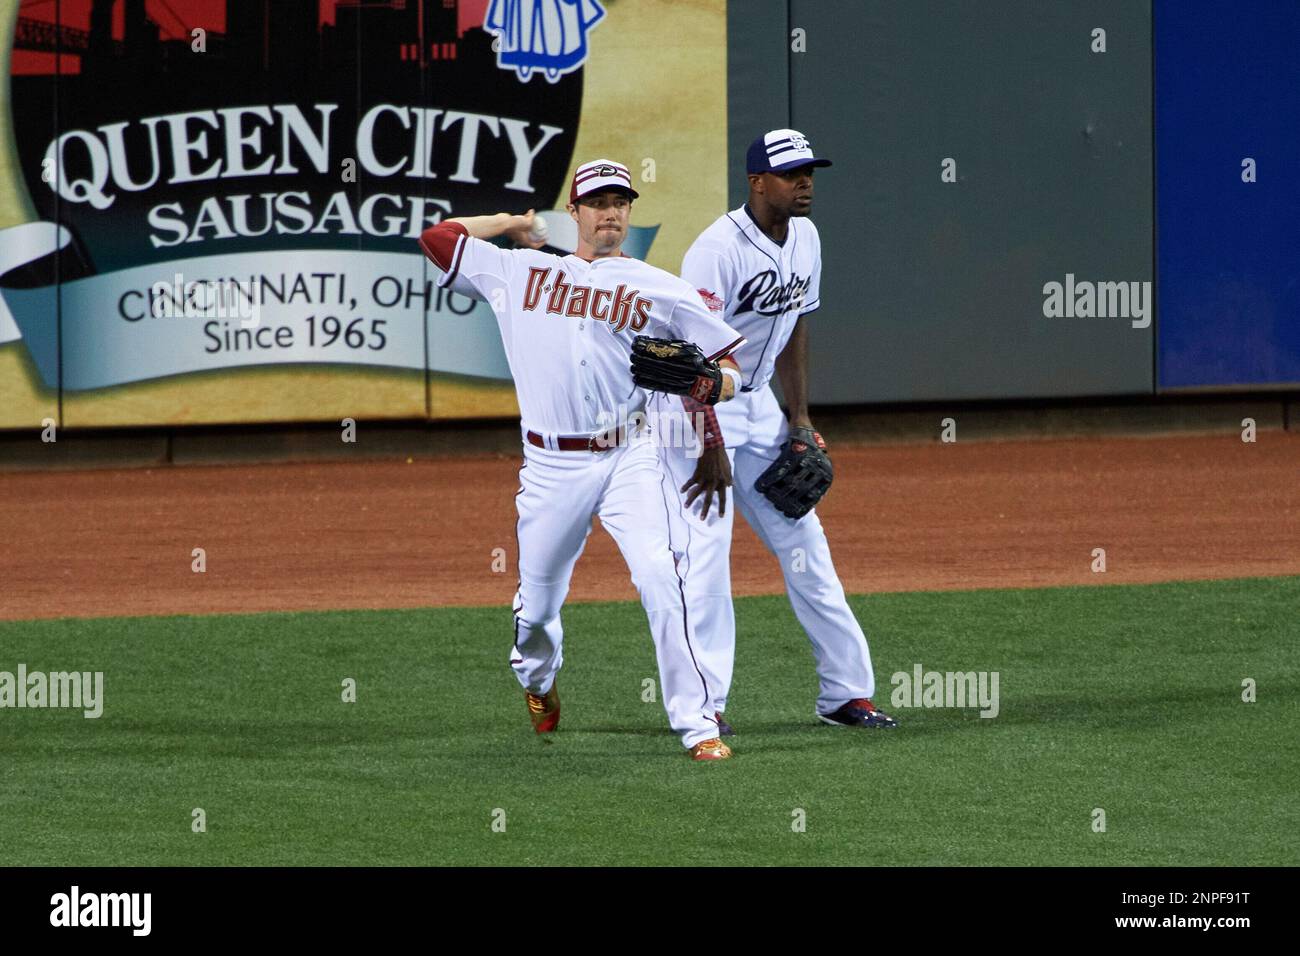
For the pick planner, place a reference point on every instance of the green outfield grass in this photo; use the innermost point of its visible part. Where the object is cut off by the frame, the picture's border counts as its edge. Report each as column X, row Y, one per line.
column 1119, row 697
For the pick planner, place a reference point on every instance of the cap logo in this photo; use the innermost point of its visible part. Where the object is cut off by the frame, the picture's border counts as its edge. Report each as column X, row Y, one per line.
column 781, row 149
column 600, row 174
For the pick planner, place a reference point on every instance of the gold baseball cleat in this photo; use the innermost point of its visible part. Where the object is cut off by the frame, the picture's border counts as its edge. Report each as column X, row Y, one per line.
column 544, row 711
column 712, row 749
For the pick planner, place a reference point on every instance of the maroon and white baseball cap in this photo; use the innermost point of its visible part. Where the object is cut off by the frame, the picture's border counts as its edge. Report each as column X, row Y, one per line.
column 601, row 174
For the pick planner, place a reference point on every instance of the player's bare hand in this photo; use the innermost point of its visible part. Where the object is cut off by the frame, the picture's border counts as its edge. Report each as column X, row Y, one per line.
column 521, row 230
column 712, row 477
column 801, row 429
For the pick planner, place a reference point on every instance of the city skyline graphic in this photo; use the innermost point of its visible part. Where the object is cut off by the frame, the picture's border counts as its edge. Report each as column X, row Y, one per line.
column 293, row 38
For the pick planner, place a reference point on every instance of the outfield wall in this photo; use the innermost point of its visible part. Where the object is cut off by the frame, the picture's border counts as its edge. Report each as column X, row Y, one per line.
column 1029, row 200
column 1228, row 179
column 983, row 151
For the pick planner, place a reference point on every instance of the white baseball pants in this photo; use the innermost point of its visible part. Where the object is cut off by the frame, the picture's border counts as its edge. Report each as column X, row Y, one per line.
column 754, row 428
column 559, row 493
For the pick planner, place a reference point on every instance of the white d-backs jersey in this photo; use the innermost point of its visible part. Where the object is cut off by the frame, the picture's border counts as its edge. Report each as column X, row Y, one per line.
column 755, row 286
column 567, row 324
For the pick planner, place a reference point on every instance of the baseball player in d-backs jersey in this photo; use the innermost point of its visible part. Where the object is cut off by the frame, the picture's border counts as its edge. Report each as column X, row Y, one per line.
column 567, row 323
column 758, row 268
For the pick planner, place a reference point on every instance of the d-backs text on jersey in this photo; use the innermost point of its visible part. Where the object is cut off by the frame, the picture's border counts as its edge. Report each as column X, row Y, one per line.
column 627, row 305
column 761, row 294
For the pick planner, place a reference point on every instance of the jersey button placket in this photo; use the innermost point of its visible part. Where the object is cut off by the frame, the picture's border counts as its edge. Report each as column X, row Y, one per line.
column 585, row 347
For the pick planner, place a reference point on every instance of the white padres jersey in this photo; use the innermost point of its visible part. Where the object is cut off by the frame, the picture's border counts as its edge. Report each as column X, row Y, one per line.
column 567, row 324
column 755, row 286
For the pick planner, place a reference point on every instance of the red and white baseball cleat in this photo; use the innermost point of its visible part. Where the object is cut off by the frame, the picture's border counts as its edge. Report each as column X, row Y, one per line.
column 858, row 713
column 544, row 711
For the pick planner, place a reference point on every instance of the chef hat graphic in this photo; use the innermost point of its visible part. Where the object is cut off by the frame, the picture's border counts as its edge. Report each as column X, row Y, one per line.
column 549, row 36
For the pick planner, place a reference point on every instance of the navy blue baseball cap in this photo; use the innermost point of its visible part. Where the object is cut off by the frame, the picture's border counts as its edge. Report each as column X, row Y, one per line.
column 779, row 150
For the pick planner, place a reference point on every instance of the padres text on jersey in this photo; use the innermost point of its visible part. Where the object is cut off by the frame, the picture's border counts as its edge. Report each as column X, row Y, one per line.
column 773, row 284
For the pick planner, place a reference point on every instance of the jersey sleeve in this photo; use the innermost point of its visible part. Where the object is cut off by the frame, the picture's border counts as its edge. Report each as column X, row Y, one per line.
column 466, row 263
column 708, row 270
column 462, row 286
column 692, row 321
column 812, row 298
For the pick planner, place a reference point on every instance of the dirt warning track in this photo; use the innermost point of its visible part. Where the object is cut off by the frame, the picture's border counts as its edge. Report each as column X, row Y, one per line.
column 392, row 534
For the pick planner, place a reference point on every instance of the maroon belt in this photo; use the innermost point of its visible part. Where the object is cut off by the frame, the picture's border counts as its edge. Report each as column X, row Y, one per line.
column 603, row 441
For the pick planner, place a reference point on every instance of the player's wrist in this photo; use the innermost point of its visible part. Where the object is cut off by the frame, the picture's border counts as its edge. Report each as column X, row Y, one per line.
column 507, row 223
column 730, row 383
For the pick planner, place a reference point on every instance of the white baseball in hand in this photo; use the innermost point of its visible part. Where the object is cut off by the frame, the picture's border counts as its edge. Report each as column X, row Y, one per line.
column 539, row 232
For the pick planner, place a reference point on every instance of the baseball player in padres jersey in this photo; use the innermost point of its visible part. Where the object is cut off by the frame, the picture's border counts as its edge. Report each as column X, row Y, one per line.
column 758, row 268
column 567, row 323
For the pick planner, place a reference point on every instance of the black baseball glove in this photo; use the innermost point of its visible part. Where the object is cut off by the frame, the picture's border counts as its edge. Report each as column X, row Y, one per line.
column 801, row 474
column 671, row 365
